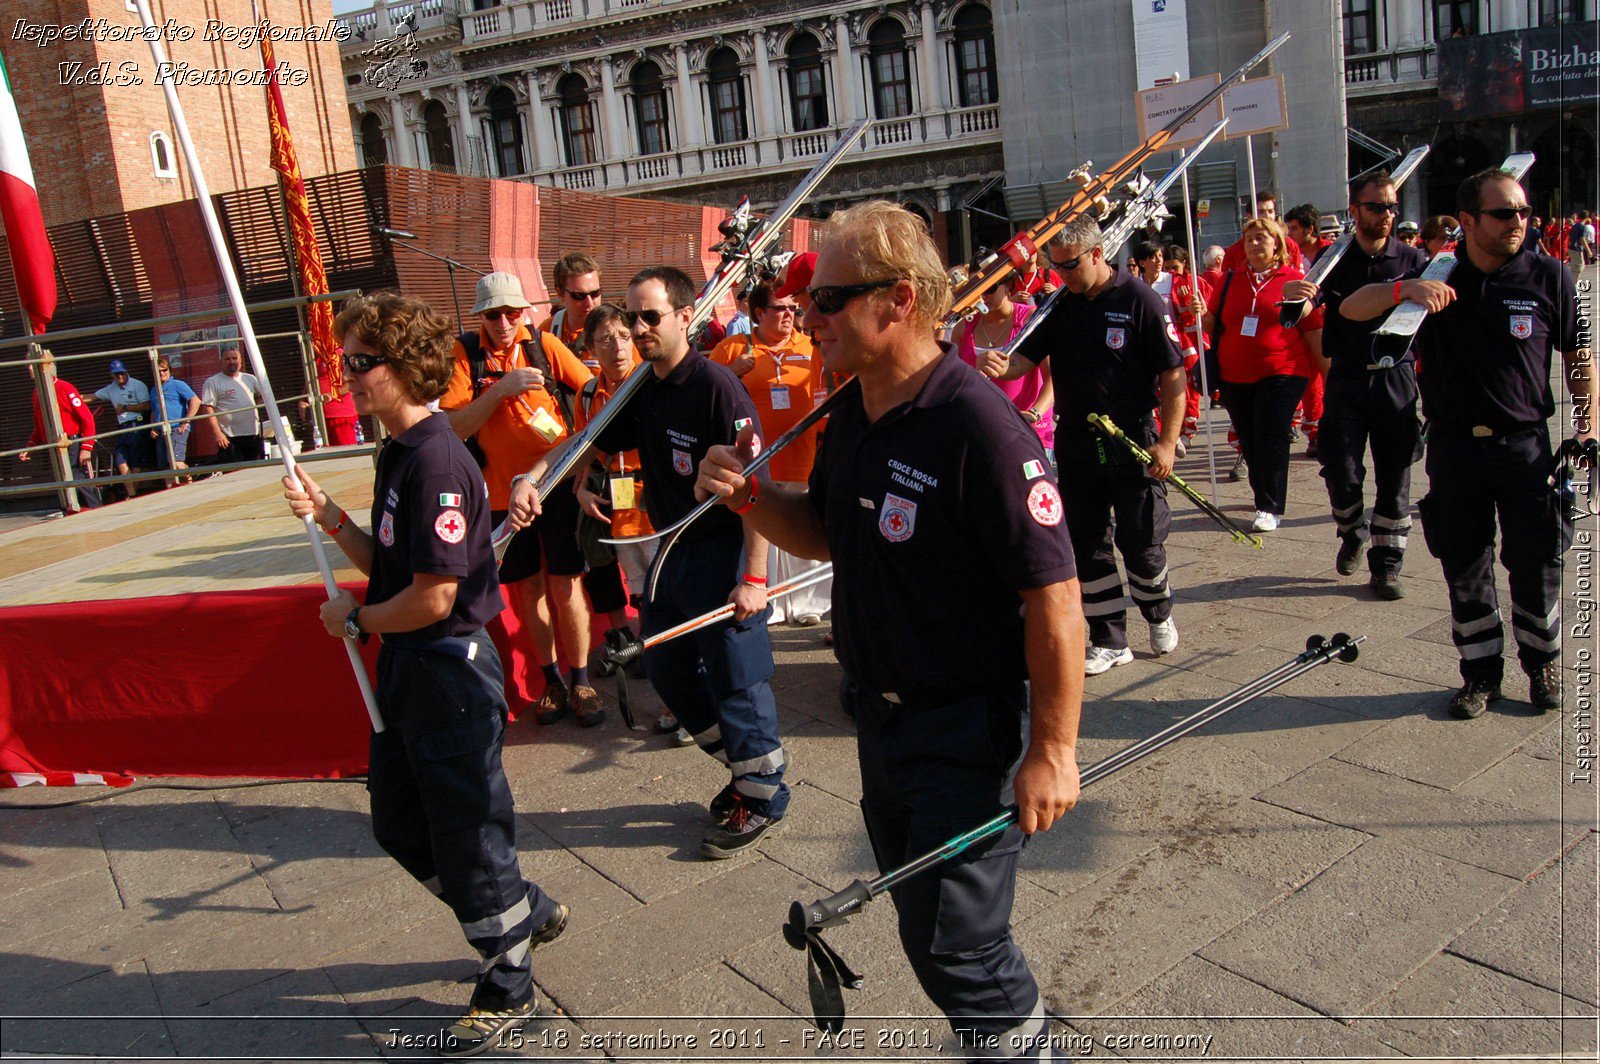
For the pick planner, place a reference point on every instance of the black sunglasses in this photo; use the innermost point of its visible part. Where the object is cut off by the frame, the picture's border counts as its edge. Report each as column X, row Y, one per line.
column 361, row 362
column 832, row 298
column 651, row 318
column 1381, row 208
column 1505, row 214
column 496, row 315
column 1072, row 263
column 582, row 295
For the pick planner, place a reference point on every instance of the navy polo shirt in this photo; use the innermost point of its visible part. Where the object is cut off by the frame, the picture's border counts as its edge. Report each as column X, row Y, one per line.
column 1485, row 359
column 673, row 421
column 1349, row 343
column 937, row 514
column 1106, row 353
column 430, row 514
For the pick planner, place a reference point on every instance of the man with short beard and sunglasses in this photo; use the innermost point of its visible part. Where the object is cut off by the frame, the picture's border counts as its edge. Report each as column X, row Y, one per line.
column 1484, row 361
column 1366, row 400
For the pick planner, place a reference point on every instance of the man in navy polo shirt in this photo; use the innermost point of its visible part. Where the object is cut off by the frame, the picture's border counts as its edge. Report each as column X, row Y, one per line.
column 1367, row 399
column 1485, row 353
column 1113, row 350
column 441, row 805
column 955, row 585
column 715, row 683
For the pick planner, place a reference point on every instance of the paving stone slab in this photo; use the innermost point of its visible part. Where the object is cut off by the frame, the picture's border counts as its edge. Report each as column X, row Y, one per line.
column 712, row 1013
column 429, row 962
column 1549, row 787
column 1437, row 748
column 1097, row 947
column 1544, row 932
column 247, row 805
column 87, row 898
column 1268, row 741
column 42, row 847
column 1198, row 1010
column 1342, row 685
column 1452, row 1005
column 100, row 999
column 1283, row 849
column 301, row 853
column 1355, row 931
column 297, row 1014
column 823, row 756
column 1512, row 842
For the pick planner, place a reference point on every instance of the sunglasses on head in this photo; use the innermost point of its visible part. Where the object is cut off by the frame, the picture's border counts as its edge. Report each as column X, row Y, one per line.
column 496, row 315
column 582, row 295
column 361, row 362
column 651, row 318
column 1381, row 208
column 832, row 298
column 1505, row 214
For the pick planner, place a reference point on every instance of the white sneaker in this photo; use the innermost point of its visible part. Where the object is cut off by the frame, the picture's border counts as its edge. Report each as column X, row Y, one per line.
column 1183, row 447
column 1264, row 522
column 1099, row 659
column 1163, row 636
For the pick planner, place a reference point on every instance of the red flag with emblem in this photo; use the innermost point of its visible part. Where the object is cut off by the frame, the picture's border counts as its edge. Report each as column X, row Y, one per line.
column 307, row 253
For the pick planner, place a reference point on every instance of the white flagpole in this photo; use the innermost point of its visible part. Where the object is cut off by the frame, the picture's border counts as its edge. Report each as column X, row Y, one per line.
column 248, row 334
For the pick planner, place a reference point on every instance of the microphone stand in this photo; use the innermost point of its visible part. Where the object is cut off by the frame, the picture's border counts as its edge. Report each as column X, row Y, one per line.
column 397, row 237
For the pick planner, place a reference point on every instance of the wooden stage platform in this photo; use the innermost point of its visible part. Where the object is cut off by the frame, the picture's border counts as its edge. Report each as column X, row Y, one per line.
column 229, row 532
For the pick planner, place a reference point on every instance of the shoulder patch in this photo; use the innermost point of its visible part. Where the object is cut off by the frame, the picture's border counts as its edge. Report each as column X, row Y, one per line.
column 1044, row 503
column 898, row 518
column 449, row 499
column 450, row 526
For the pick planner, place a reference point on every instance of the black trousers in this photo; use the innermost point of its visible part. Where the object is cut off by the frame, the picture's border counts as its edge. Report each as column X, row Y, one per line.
column 442, row 808
column 1356, row 413
column 1471, row 481
column 1098, row 479
column 1263, row 416
column 929, row 773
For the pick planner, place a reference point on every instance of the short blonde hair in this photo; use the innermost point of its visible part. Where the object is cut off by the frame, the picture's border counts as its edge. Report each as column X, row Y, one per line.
column 885, row 241
column 1276, row 231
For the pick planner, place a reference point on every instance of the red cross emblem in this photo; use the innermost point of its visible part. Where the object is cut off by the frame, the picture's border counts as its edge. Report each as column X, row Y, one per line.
column 450, row 526
column 899, row 518
column 1044, row 503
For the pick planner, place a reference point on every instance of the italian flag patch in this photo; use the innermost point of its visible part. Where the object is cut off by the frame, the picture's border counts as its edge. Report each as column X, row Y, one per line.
column 447, row 498
column 1032, row 469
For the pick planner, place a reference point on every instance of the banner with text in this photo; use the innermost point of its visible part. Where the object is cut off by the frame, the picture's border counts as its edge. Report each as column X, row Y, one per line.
column 1507, row 73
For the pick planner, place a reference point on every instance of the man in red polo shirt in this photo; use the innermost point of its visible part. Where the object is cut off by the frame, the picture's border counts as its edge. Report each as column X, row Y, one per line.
column 78, row 425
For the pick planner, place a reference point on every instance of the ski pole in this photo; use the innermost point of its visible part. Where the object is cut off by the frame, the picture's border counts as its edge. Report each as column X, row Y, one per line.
column 1109, row 428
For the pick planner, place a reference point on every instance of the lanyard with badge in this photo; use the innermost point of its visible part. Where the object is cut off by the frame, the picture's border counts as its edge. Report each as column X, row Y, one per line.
column 779, row 390
column 1252, row 320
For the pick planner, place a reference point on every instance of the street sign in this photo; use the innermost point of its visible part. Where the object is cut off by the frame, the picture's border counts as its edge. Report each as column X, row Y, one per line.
column 1256, row 107
column 1203, row 208
column 1156, row 107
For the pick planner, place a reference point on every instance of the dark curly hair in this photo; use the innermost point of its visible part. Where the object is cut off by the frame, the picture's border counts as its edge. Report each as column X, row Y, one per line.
column 415, row 338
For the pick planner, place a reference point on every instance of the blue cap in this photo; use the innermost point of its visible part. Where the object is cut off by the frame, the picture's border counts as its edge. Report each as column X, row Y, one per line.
column 117, row 366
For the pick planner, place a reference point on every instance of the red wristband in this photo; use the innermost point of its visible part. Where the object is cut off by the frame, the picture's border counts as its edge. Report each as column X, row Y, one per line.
column 339, row 526
column 753, row 581
column 1397, row 285
column 749, row 504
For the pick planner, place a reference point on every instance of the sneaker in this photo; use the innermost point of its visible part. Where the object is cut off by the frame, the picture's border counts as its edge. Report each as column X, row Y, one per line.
column 1544, row 687
column 808, row 620
column 1264, row 522
column 1163, row 636
column 1182, row 448
column 552, row 928
column 553, row 705
column 681, row 737
column 666, row 724
column 740, row 832
column 586, row 706
column 1239, row 469
column 1349, row 555
column 1099, row 659
column 481, row 1029
column 722, row 806
column 1387, row 586
column 1294, row 434
column 1473, row 698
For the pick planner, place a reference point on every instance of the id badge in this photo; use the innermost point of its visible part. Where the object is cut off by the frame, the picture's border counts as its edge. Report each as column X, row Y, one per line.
column 1248, row 326
column 622, row 491
column 546, row 426
column 780, row 397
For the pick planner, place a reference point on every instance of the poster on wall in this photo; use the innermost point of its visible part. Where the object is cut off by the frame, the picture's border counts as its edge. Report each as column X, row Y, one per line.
column 1507, row 73
column 1160, row 41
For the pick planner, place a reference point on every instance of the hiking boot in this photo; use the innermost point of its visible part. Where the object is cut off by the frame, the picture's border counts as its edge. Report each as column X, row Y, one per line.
column 1387, row 586
column 740, row 832
column 1349, row 555
column 1099, row 659
column 1473, row 698
column 586, row 706
column 552, row 928
column 1163, row 636
column 1237, row 473
column 482, row 1029
column 723, row 804
column 553, row 705
column 1544, row 687
column 1311, row 448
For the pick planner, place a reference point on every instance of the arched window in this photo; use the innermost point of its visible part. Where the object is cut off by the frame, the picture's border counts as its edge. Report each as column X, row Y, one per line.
column 441, row 144
column 505, row 128
column 374, row 152
column 891, row 69
column 727, row 97
column 650, row 109
column 808, row 91
column 577, row 120
column 161, row 155
column 975, row 56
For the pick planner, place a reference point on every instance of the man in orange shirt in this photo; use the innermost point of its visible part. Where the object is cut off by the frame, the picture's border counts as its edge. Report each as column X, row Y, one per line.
column 577, row 278
column 783, row 373
column 513, row 397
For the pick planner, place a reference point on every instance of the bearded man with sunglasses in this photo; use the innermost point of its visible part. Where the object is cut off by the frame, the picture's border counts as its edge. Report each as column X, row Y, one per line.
column 1366, row 399
column 715, row 683
column 954, row 585
column 1485, row 353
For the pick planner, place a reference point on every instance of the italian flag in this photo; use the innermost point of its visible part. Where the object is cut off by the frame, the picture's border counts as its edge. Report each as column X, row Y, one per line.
column 33, row 261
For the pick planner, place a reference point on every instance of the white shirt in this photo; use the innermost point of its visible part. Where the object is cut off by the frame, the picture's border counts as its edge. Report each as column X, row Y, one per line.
column 131, row 394
column 223, row 393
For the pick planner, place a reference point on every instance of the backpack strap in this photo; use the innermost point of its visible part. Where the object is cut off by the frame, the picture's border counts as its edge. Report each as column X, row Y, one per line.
column 477, row 360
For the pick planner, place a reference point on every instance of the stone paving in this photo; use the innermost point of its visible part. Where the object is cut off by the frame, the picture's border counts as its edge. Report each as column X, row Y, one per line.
column 1338, row 870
